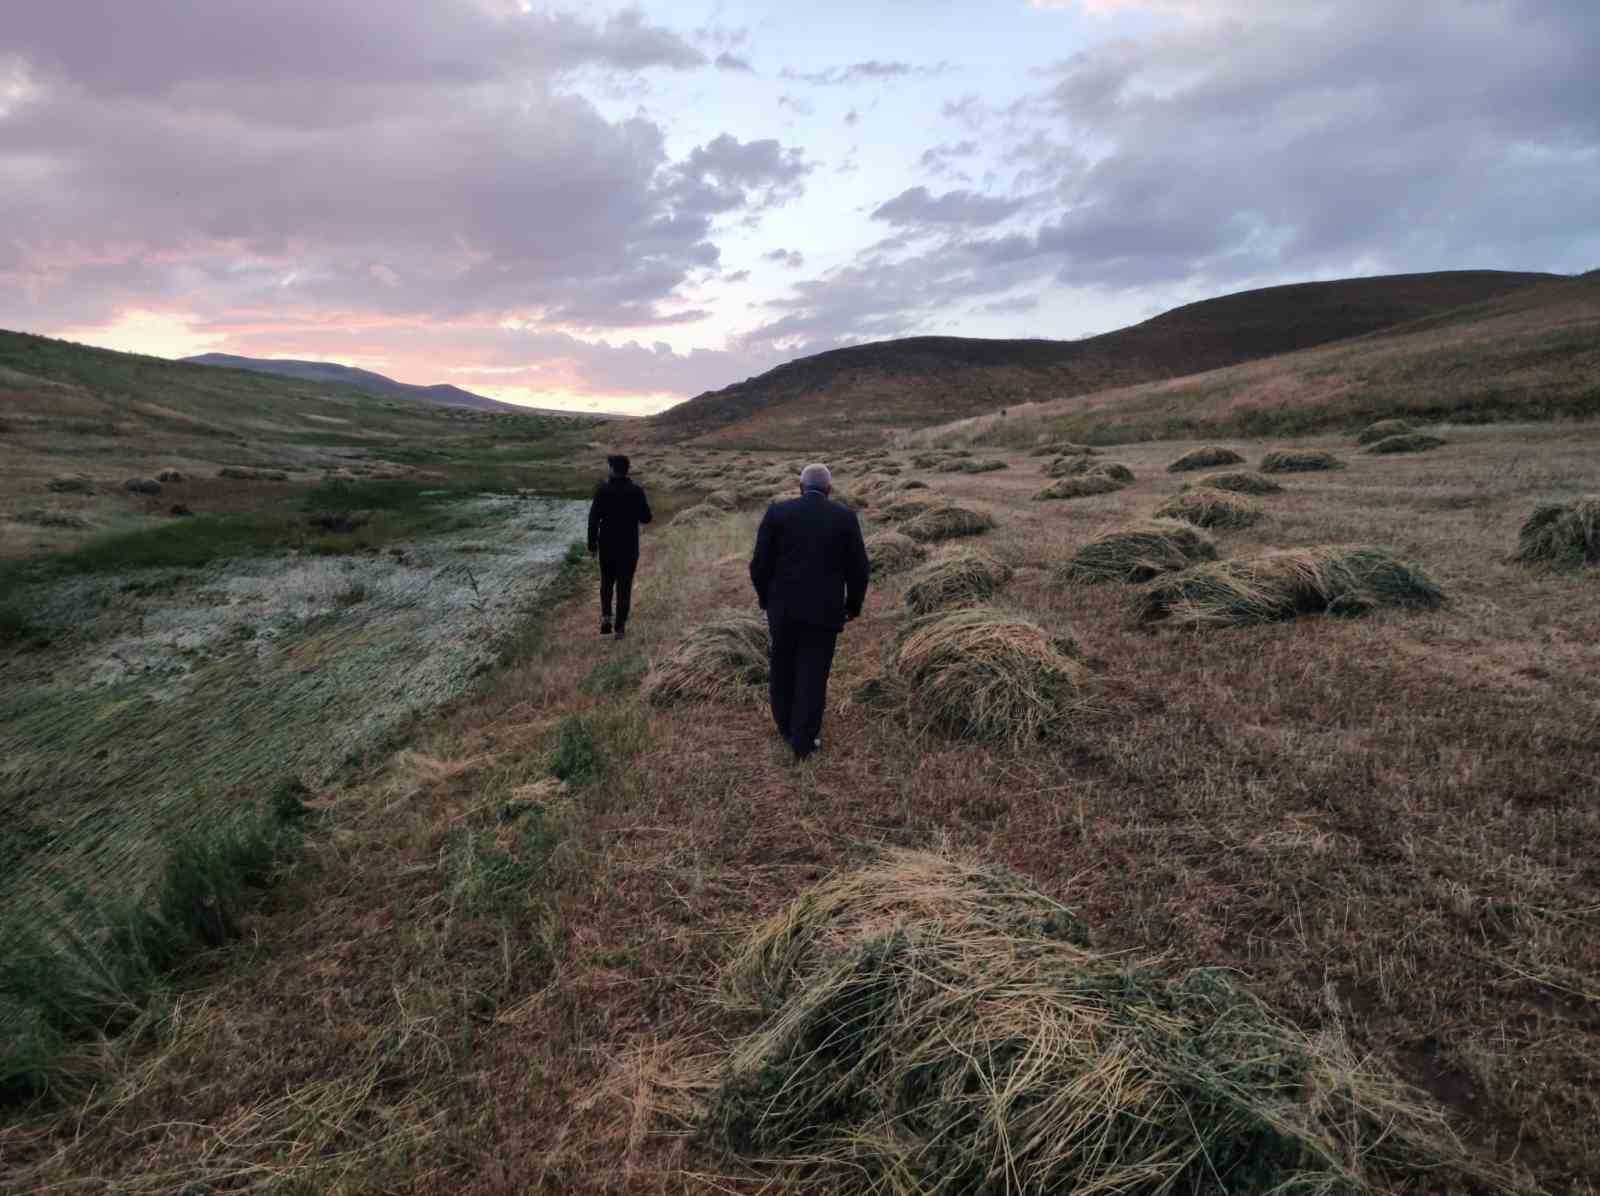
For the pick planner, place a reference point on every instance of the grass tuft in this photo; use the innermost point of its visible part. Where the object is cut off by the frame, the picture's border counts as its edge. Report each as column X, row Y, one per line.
column 1205, row 507
column 1209, row 457
column 712, row 662
column 1562, row 535
column 1298, row 461
column 958, row 577
column 1138, row 553
column 1289, row 582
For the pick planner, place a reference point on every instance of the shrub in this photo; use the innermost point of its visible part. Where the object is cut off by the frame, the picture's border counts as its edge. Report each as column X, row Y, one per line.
column 1205, row 507
column 939, row 1028
column 712, row 662
column 1286, row 583
column 961, row 576
column 1138, row 553
column 1382, row 429
column 1298, row 461
column 1209, row 457
column 890, row 552
column 946, row 523
column 1413, row 442
column 1562, row 535
column 1079, row 487
column 976, row 673
column 1239, row 481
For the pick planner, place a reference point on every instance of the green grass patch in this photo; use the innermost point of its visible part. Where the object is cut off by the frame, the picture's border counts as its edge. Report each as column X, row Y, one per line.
column 619, row 674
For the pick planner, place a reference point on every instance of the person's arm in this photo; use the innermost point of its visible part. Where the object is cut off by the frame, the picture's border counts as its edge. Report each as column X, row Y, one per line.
column 764, row 560
column 594, row 523
column 857, row 570
column 645, row 515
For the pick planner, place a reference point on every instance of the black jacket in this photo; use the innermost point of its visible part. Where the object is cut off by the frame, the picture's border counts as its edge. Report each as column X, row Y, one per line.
column 619, row 507
column 810, row 563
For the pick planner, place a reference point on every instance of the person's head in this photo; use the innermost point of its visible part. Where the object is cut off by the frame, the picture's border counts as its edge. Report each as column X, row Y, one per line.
column 816, row 477
column 619, row 465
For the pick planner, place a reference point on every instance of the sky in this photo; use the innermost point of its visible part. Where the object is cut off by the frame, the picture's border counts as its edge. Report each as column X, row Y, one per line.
column 616, row 208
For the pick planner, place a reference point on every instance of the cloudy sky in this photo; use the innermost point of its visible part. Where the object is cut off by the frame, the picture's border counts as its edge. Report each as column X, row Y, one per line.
column 617, row 208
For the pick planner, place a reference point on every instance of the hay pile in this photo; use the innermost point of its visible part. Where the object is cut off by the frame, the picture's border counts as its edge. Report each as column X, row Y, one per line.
column 1069, row 467
column 712, row 661
column 1382, row 429
column 1238, row 481
column 1410, row 442
column 1209, row 457
column 937, row 1028
column 946, row 523
column 959, row 577
column 1205, row 507
column 906, row 508
column 1138, row 553
column 1298, row 461
column 1562, row 535
column 1063, row 448
column 1335, row 580
column 1079, row 487
column 696, row 515
column 890, row 552
column 722, row 500
column 988, row 466
column 977, row 673
column 910, row 484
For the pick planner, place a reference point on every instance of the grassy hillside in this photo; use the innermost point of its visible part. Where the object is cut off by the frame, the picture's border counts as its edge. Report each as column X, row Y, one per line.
column 105, row 417
column 836, row 398
column 344, row 375
column 1532, row 354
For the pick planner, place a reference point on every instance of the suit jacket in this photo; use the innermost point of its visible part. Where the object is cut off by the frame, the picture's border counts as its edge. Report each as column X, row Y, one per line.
column 619, row 507
column 810, row 563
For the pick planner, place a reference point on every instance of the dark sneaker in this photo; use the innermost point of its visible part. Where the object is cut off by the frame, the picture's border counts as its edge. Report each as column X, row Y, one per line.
column 605, row 629
column 621, row 634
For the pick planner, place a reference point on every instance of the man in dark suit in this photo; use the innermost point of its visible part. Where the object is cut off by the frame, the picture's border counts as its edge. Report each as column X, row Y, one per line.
column 810, row 572
column 619, row 507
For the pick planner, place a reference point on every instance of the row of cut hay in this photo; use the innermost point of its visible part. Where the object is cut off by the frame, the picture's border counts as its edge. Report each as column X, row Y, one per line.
column 1065, row 467
column 1082, row 486
column 960, row 576
column 1299, row 461
column 936, row 1028
column 1210, row 456
column 1239, row 481
column 1382, row 429
column 891, row 552
column 713, row 662
column 1285, row 583
column 1205, row 507
column 1063, row 448
column 1138, row 553
column 1410, row 442
column 1562, row 535
column 906, row 508
column 946, row 523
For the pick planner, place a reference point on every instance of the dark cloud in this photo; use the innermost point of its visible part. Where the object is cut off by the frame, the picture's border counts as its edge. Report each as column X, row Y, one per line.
column 866, row 72
column 732, row 62
column 737, row 276
column 792, row 258
column 917, row 206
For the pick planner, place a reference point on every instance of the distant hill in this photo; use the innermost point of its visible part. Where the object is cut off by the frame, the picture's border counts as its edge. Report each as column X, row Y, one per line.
column 367, row 380
column 839, row 397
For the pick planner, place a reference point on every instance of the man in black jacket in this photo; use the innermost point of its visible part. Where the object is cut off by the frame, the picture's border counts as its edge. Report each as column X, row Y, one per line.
column 619, row 507
column 810, row 572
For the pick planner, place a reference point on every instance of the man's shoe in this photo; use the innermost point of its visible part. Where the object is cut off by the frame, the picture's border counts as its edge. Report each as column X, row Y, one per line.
column 621, row 634
column 605, row 628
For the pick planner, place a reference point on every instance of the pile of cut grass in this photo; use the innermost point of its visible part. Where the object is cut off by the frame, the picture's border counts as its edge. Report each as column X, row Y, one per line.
column 959, row 577
column 712, row 662
column 891, row 552
column 947, row 523
column 1063, row 448
column 1286, row 583
column 1205, row 507
column 906, row 508
column 1138, row 553
column 987, row 466
column 1383, row 429
column 1238, row 481
column 937, row 1028
column 1081, row 486
column 1208, row 457
column 910, row 484
column 722, row 500
column 696, row 515
column 1298, row 461
column 1562, row 535
column 978, row 673
column 1411, row 442
column 1071, row 467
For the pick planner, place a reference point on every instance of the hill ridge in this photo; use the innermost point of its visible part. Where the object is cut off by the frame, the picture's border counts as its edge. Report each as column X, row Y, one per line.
column 348, row 375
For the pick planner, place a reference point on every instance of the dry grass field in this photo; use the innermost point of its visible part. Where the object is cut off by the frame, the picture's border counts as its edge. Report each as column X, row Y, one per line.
column 496, row 971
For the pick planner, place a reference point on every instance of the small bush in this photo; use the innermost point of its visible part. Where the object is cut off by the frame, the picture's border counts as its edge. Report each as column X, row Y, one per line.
column 1209, row 457
column 947, row 523
column 1298, row 461
column 1079, row 487
column 712, row 662
column 1240, row 481
column 1288, row 583
column 1413, row 442
column 1562, row 535
column 962, row 576
column 1205, row 507
column 891, row 552
column 1382, row 429
column 1138, row 553
column 975, row 673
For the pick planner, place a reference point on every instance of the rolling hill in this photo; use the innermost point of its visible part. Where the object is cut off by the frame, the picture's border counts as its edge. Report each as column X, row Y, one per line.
column 838, row 397
column 344, row 375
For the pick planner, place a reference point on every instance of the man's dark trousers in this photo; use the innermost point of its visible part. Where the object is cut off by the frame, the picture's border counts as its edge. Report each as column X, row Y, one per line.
column 802, row 656
column 616, row 574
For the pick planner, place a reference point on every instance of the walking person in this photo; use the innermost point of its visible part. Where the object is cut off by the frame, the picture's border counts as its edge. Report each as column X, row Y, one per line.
column 619, row 507
column 810, row 572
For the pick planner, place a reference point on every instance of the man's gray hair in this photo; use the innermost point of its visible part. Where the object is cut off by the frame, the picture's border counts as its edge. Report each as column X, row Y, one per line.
column 816, row 477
